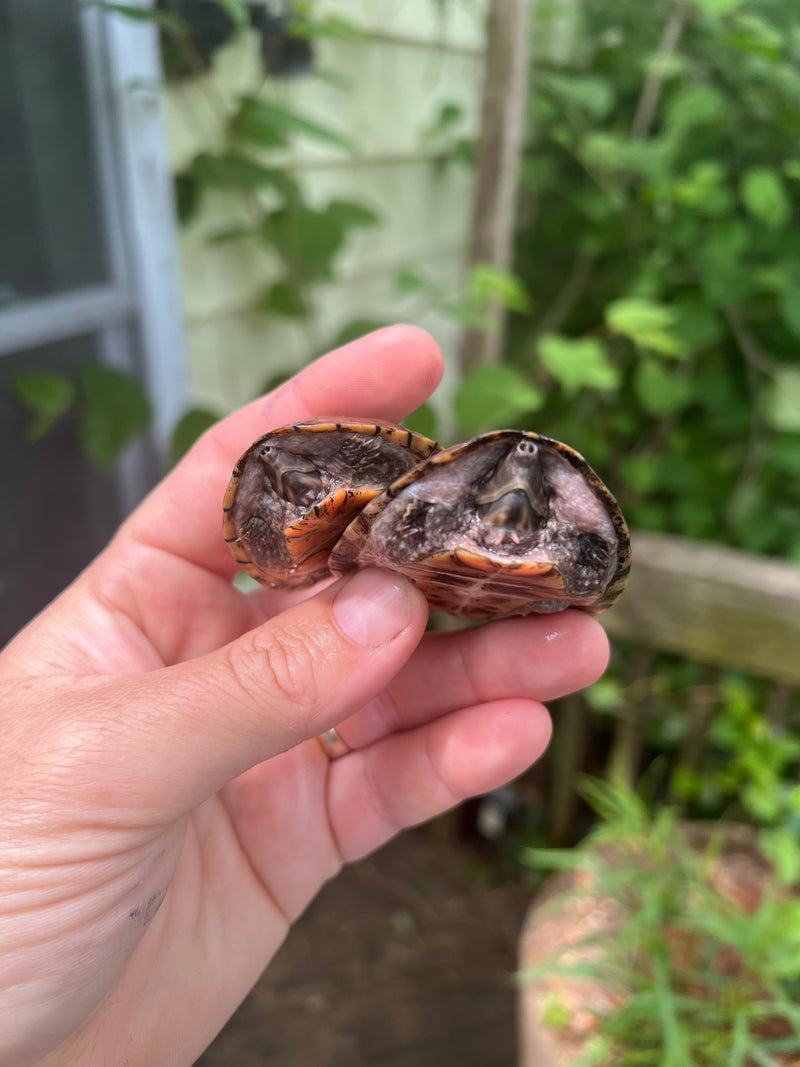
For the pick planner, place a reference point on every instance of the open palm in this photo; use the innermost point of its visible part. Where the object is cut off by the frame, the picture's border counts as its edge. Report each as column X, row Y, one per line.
column 166, row 810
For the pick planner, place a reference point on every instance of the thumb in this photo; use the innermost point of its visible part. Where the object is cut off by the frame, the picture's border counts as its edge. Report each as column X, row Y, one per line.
column 196, row 725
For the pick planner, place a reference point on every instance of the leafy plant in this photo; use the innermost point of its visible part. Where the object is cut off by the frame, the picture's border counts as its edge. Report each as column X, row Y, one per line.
column 699, row 978
column 660, row 246
column 110, row 408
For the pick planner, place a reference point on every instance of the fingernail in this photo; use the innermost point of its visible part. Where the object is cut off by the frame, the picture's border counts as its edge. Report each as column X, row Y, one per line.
column 372, row 607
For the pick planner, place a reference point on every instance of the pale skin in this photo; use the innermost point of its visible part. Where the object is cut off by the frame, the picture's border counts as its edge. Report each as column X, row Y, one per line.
column 166, row 811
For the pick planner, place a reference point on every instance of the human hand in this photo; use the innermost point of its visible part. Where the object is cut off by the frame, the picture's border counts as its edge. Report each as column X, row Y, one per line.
column 166, row 809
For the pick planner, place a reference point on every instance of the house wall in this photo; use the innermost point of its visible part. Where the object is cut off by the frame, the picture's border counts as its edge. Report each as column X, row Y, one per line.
column 383, row 92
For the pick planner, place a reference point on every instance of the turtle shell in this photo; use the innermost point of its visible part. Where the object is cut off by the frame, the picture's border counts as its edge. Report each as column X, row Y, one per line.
column 295, row 490
column 507, row 524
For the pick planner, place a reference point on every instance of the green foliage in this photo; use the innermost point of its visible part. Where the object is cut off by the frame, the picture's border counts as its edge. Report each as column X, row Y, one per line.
column 167, row 20
column 423, row 420
column 577, row 364
column 237, row 11
column 114, row 410
column 491, row 396
column 677, row 1003
column 47, row 397
column 310, row 24
column 191, row 425
column 660, row 244
column 110, row 407
column 765, row 197
column 268, row 124
column 751, row 770
column 485, row 285
column 490, row 284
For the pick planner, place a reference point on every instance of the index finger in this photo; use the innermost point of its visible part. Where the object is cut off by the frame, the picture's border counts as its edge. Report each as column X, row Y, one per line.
column 384, row 375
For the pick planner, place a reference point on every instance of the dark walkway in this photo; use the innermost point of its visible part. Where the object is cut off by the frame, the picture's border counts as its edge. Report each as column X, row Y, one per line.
column 405, row 960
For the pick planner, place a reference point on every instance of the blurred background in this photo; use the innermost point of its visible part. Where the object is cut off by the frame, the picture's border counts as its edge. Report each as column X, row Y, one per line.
column 593, row 207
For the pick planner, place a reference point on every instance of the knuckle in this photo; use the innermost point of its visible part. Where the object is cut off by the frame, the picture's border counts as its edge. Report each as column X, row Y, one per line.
column 277, row 666
column 376, row 800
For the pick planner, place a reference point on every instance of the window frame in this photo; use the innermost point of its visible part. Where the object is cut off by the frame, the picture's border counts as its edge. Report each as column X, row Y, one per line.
column 137, row 314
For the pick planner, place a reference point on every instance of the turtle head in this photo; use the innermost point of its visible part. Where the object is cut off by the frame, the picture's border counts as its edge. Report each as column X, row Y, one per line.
column 516, row 493
column 294, row 477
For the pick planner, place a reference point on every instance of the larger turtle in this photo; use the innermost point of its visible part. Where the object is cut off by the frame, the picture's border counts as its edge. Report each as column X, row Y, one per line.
column 508, row 523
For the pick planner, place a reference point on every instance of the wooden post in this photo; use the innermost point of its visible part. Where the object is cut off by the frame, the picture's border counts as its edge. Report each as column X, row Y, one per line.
column 499, row 147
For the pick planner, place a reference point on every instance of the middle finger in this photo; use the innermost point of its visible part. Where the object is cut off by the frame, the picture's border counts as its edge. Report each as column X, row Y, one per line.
column 540, row 657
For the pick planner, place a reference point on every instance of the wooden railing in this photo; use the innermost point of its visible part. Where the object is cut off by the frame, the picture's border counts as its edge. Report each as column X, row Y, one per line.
column 714, row 604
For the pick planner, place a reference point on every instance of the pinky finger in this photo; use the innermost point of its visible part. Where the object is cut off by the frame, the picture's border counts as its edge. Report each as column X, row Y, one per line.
column 410, row 777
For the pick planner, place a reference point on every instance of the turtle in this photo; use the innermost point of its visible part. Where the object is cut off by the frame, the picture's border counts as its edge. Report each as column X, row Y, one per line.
column 508, row 523
column 296, row 488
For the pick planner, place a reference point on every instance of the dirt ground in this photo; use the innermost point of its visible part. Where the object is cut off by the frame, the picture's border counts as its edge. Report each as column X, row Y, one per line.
column 405, row 960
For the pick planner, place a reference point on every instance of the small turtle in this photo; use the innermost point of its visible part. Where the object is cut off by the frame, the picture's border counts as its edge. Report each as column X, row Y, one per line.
column 507, row 524
column 295, row 489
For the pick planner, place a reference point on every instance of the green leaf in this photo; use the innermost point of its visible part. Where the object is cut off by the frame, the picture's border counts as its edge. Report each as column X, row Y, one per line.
column 717, row 8
column 423, row 420
column 578, row 363
column 351, row 331
column 449, row 115
column 309, row 240
column 233, row 233
column 765, row 197
column 409, row 281
column 696, row 325
column 705, row 189
column 727, row 278
column 286, row 299
column 233, row 170
column 331, row 26
column 269, row 124
column 558, row 859
column 46, row 396
column 114, row 409
column 349, row 213
column 781, row 848
column 646, row 323
column 781, row 400
column 191, row 425
column 660, row 391
column 589, row 93
column 465, row 313
column 167, row 20
column 605, row 695
column 495, row 394
column 237, row 11
column 695, row 105
column 489, row 283
column 187, row 198
column 789, row 308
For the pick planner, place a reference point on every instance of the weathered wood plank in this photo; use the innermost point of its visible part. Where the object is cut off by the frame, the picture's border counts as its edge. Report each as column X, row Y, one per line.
column 715, row 604
column 499, row 150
